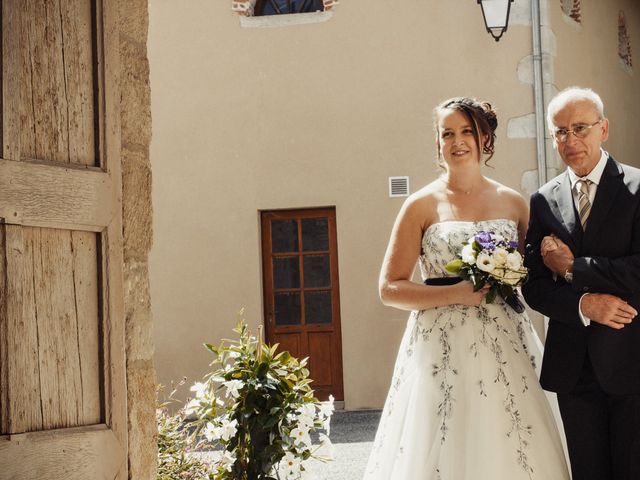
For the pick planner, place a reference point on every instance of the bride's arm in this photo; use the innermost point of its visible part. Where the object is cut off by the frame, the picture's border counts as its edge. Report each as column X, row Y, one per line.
column 395, row 286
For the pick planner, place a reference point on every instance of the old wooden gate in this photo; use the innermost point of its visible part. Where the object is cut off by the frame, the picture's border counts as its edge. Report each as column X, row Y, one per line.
column 62, row 373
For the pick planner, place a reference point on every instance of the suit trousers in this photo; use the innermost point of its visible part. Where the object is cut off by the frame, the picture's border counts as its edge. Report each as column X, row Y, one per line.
column 603, row 430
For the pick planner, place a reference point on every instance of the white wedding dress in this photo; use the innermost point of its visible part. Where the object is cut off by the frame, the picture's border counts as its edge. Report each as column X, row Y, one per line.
column 465, row 402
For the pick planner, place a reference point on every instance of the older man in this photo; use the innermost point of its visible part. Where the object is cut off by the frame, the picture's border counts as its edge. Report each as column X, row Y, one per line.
column 583, row 252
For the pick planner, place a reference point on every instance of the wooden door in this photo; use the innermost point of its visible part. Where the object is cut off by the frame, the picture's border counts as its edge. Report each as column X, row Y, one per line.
column 63, row 408
column 301, row 291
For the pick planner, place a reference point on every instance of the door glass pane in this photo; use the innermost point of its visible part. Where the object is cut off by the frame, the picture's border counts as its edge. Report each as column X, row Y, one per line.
column 287, row 308
column 316, row 271
column 317, row 307
column 284, row 236
column 315, row 234
column 286, row 272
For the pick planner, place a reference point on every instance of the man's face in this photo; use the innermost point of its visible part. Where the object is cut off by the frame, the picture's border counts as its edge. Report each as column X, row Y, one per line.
column 580, row 154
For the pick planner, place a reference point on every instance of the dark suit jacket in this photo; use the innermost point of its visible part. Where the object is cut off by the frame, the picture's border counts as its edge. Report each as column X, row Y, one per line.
column 607, row 260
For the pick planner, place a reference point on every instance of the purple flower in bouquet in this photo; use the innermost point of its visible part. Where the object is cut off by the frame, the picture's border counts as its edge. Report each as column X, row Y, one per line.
column 489, row 258
column 484, row 240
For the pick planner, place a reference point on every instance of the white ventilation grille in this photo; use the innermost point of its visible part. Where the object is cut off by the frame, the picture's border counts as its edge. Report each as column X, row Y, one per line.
column 398, row 186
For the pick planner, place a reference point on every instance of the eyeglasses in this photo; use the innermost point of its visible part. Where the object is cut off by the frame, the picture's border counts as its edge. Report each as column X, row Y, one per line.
column 581, row 130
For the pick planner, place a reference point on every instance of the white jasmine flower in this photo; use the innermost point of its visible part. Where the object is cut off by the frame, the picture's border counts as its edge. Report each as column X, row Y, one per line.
column 233, row 387
column 191, row 407
column 500, row 256
column 226, row 460
column 468, row 255
column 307, row 409
column 228, row 430
column 290, row 465
column 514, row 261
column 327, row 408
column 485, row 262
column 301, row 435
column 325, row 450
column 326, row 424
column 211, row 432
column 199, row 388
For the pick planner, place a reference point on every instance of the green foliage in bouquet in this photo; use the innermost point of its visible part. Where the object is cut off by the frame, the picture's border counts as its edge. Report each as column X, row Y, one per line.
column 258, row 406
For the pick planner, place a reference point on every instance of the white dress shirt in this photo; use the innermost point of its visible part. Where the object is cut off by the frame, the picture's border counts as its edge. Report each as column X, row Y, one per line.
column 594, row 176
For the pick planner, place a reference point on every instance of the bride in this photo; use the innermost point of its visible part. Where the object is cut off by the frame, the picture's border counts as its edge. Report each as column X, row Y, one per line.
column 464, row 401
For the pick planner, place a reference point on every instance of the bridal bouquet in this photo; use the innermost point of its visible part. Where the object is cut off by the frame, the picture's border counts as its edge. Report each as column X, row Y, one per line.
column 488, row 258
column 259, row 410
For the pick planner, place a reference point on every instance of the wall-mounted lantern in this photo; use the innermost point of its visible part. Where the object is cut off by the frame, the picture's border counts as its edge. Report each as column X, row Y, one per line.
column 496, row 16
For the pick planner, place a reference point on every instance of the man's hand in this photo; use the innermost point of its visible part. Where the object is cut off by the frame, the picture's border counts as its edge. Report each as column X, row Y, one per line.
column 607, row 310
column 556, row 255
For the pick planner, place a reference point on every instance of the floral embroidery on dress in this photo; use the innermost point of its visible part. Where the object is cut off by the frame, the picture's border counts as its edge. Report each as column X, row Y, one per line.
column 480, row 350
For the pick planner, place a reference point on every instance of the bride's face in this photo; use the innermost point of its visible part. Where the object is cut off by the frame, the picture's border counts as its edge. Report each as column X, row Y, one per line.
column 455, row 137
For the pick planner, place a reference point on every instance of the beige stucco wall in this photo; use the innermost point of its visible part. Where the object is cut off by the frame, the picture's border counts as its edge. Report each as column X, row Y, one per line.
column 247, row 119
column 587, row 55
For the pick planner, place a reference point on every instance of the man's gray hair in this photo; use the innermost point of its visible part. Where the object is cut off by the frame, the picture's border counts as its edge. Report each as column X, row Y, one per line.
column 569, row 95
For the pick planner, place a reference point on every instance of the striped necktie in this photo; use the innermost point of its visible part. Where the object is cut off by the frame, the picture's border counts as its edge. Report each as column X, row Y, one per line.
column 584, row 205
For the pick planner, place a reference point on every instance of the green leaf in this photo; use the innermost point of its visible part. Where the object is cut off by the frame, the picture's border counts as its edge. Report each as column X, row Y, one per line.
column 491, row 295
column 454, row 266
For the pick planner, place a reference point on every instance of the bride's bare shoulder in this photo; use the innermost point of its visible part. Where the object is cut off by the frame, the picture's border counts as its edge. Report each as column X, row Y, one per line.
column 510, row 196
column 422, row 204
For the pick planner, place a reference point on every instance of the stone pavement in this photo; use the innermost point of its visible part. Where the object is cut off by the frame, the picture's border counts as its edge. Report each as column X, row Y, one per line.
column 352, row 434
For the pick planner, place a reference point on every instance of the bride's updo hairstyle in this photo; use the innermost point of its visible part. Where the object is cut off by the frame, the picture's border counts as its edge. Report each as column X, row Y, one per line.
column 482, row 118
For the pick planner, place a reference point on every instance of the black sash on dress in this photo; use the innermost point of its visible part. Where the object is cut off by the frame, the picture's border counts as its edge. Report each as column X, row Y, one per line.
column 512, row 300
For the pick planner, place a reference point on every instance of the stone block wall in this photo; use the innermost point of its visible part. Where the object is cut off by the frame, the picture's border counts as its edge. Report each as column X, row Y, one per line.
column 135, row 116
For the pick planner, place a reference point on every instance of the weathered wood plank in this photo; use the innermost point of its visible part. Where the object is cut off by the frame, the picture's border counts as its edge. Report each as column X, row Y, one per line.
column 38, row 194
column 77, row 46
column 115, row 367
column 45, row 120
column 22, row 390
column 72, row 454
column 4, row 335
column 85, row 279
column 11, row 63
column 60, row 384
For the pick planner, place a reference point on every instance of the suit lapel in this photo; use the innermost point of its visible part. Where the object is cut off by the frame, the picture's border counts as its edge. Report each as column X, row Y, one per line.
column 610, row 183
column 566, row 209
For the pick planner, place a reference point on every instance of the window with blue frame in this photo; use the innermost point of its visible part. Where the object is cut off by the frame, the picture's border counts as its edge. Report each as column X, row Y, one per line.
column 279, row 7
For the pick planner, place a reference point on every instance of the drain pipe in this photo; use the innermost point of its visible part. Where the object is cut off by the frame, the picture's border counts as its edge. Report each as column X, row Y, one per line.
column 538, row 93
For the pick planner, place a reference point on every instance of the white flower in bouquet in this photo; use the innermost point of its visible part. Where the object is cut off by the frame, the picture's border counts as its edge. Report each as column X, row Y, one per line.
column 468, row 254
column 489, row 258
column 512, row 278
column 514, row 261
column 485, row 262
column 500, row 256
